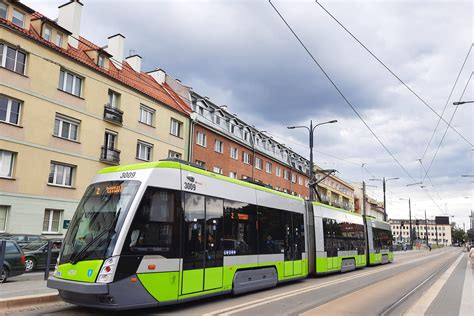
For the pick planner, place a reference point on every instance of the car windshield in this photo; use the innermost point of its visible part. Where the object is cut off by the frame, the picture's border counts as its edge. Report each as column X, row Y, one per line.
column 100, row 214
column 35, row 245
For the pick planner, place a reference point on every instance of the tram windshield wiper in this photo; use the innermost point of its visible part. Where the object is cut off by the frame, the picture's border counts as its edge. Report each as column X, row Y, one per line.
column 108, row 231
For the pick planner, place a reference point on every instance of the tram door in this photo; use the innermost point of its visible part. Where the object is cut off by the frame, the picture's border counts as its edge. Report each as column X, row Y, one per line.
column 294, row 243
column 203, row 254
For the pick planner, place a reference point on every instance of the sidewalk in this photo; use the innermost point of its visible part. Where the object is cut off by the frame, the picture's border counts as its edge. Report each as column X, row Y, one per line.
column 25, row 284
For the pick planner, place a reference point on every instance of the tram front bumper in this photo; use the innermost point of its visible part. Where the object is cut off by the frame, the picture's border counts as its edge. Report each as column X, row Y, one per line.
column 77, row 287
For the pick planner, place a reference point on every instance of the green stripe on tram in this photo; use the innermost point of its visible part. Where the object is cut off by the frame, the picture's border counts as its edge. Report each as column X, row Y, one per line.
column 177, row 165
column 82, row 271
column 218, row 279
column 333, row 264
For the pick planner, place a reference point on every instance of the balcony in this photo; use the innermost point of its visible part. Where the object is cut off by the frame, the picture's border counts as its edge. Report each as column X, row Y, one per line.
column 113, row 115
column 110, row 156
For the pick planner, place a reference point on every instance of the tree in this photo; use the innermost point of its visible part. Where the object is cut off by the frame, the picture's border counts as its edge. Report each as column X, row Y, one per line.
column 458, row 235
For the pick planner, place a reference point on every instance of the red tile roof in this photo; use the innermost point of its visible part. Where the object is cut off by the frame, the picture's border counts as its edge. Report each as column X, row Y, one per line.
column 141, row 82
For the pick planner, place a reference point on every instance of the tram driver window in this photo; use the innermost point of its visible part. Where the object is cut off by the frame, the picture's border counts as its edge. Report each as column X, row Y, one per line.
column 155, row 228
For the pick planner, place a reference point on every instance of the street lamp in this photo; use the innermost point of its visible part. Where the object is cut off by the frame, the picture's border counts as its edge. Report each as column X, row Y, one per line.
column 384, row 199
column 311, row 165
column 462, row 102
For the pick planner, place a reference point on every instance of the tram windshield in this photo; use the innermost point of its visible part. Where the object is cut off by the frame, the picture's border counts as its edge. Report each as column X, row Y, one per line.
column 97, row 221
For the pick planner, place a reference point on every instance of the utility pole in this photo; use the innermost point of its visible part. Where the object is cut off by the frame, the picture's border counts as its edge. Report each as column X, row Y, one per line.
column 411, row 228
column 384, row 202
column 363, row 199
column 426, row 229
column 436, row 232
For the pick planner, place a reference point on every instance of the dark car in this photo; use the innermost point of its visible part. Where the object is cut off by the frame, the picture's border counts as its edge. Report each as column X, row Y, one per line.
column 14, row 261
column 36, row 254
column 24, row 239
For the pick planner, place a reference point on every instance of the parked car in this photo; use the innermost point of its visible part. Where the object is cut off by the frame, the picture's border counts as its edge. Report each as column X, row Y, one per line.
column 24, row 239
column 14, row 261
column 36, row 254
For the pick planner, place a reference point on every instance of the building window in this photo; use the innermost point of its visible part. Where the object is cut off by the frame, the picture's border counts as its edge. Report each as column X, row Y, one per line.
column 60, row 174
column 9, row 110
column 176, row 127
column 59, row 40
column 174, row 154
column 258, row 163
column 300, row 180
column 51, row 221
column 101, row 61
column 218, row 119
column 12, row 59
column 268, row 167
column 286, row 175
column 66, row 128
column 246, row 136
column 7, row 159
column 201, row 139
column 110, row 140
column 246, row 158
column 144, row 151
column 234, row 153
column 233, row 174
column 200, row 163
column 3, row 213
column 219, row 146
column 114, row 99
column 18, row 18
column 293, row 178
column 217, row 170
column 47, row 33
column 3, row 10
column 278, row 171
column 146, row 115
column 232, row 128
column 69, row 82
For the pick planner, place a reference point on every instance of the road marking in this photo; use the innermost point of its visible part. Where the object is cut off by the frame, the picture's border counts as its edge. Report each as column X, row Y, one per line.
column 241, row 307
column 467, row 305
column 424, row 302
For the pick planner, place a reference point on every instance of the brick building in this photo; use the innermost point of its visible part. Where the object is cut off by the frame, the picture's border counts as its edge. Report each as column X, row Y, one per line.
column 223, row 143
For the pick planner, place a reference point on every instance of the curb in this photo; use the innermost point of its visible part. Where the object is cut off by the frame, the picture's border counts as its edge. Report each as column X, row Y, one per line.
column 22, row 301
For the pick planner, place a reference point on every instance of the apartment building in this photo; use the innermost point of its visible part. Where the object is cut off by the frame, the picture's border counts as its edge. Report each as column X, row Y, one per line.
column 334, row 191
column 438, row 232
column 225, row 144
column 373, row 207
column 68, row 108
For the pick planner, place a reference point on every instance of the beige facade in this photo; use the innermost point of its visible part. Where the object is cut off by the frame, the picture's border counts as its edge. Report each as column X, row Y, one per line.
column 436, row 233
column 57, row 128
column 334, row 191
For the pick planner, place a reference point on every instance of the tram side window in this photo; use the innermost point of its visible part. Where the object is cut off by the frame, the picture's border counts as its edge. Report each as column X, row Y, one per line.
column 270, row 231
column 214, row 232
column 240, row 233
column 342, row 236
column 155, row 228
column 382, row 238
column 298, row 227
column 194, row 223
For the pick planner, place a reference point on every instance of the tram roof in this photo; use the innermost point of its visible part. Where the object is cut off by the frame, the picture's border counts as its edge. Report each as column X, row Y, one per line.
column 182, row 166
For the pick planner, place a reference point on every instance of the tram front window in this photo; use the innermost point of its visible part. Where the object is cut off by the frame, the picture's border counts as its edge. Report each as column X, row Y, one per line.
column 97, row 221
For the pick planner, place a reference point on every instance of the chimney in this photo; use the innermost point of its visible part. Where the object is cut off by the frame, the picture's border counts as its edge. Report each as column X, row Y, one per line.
column 70, row 19
column 135, row 62
column 115, row 47
column 159, row 75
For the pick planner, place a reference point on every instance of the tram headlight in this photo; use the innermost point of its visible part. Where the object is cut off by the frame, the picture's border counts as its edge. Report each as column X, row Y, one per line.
column 107, row 271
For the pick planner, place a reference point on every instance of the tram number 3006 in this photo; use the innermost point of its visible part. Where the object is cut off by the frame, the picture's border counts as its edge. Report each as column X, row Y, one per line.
column 189, row 186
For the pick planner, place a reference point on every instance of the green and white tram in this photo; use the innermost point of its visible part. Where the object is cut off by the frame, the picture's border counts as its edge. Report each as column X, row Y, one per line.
column 166, row 232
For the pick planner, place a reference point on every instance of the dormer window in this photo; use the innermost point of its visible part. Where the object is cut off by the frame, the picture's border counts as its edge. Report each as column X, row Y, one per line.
column 101, row 61
column 47, row 33
column 3, row 10
column 59, row 40
column 18, row 18
column 218, row 119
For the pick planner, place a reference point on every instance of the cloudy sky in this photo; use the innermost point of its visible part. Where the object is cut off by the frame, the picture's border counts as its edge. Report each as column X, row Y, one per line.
column 241, row 54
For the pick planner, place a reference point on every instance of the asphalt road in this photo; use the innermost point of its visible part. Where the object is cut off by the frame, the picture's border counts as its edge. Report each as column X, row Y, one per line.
column 434, row 283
